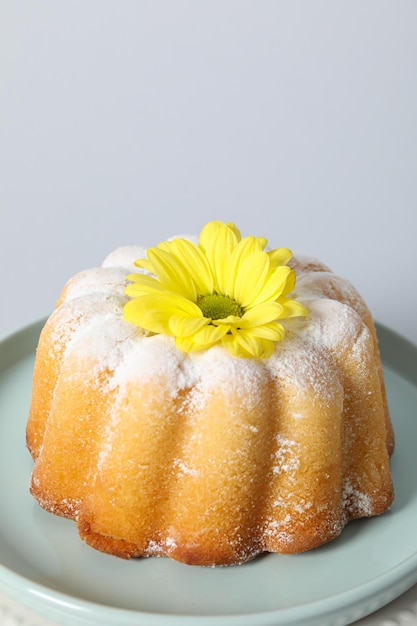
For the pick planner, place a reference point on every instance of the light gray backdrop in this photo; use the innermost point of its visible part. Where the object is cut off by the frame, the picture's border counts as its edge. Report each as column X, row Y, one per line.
column 130, row 121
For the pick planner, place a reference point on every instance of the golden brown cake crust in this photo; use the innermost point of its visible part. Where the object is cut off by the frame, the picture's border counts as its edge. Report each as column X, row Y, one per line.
column 207, row 458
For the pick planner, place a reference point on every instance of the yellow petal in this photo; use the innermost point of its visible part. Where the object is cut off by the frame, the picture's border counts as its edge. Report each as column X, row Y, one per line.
column 209, row 335
column 143, row 283
column 273, row 331
column 290, row 284
column 279, row 256
column 201, row 340
column 136, row 276
column 195, row 263
column 250, row 278
column 184, row 326
column 140, row 311
column 186, row 344
column 274, row 286
column 268, row 349
column 231, row 343
column 230, row 320
column 171, row 273
column 292, row 308
column 257, row 347
column 217, row 240
column 235, row 229
column 164, row 245
column 217, row 235
column 244, row 248
column 153, row 311
column 244, row 343
column 145, row 264
column 262, row 314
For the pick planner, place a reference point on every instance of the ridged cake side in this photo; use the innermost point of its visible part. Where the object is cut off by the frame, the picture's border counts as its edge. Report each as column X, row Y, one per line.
column 207, row 458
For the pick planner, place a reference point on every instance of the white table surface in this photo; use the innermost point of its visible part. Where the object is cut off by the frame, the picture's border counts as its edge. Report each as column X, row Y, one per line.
column 128, row 122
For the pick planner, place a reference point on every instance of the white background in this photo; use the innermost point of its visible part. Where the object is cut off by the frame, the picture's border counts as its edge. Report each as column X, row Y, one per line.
column 129, row 121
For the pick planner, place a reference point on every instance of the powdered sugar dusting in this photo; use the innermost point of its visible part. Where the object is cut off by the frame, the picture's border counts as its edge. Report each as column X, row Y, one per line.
column 306, row 364
column 120, row 356
column 184, row 469
column 356, row 503
column 238, row 378
column 106, row 339
column 328, row 324
column 162, row 547
column 97, row 280
column 305, row 263
column 287, row 456
column 124, row 257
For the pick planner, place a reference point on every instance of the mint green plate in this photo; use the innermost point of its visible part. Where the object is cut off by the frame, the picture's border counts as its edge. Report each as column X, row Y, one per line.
column 45, row 566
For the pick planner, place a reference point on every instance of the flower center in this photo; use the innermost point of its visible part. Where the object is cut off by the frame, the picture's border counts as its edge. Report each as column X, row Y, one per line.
column 217, row 307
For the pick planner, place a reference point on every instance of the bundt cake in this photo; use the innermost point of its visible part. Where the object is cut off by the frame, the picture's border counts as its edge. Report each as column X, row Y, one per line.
column 192, row 401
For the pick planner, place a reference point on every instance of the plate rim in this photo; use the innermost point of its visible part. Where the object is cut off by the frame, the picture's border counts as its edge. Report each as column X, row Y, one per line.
column 397, row 579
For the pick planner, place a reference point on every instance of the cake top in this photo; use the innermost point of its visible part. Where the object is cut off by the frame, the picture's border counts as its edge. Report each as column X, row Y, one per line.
column 223, row 290
column 325, row 314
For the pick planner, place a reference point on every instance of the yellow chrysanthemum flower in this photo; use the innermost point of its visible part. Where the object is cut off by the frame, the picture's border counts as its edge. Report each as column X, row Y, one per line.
column 224, row 290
